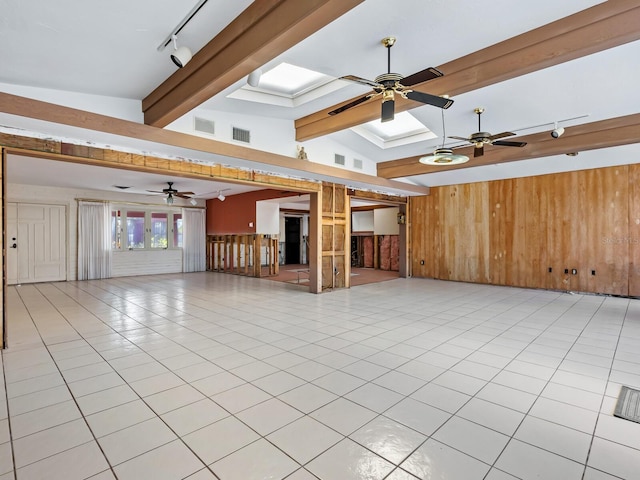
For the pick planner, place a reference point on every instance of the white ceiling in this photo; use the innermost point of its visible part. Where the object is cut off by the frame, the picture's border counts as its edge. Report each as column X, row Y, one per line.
column 110, row 49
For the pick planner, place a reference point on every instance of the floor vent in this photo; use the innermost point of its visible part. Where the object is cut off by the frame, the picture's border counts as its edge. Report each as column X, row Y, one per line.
column 241, row 135
column 205, row 126
column 628, row 406
column 338, row 159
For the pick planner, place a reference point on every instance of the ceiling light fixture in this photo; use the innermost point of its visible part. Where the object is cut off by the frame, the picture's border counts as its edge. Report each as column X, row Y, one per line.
column 180, row 56
column 443, row 156
column 169, row 199
column 221, row 197
column 254, row 78
column 556, row 132
column 193, row 202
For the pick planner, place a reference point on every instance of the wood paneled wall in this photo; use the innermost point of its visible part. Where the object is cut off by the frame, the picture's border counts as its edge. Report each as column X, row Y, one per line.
column 511, row 232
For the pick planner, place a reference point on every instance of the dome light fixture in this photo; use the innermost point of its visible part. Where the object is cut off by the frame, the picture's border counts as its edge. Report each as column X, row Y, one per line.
column 180, row 56
column 443, row 156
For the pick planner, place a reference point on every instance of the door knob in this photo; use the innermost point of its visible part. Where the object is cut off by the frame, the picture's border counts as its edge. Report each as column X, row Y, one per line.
column 15, row 245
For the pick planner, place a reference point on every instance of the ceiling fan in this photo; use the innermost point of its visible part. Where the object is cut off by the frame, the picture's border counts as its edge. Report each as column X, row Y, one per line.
column 171, row 192
column 388, row 85
column 480, row 138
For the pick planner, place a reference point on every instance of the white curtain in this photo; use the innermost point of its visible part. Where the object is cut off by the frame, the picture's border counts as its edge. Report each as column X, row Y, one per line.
column 94, row 240
column 194, row 239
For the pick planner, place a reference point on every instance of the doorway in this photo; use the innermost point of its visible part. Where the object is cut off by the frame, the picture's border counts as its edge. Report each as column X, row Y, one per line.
column 292, row 240
column 36, row 243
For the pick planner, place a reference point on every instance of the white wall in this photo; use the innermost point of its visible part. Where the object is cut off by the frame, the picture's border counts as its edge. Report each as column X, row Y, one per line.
column 267, row 218
column 159, row 262
column 362, row 221
column 386, row 221
column 123, row 108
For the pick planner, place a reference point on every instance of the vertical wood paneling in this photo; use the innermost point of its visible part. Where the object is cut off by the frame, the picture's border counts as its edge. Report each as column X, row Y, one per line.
column 510, row 232
column 634, row 229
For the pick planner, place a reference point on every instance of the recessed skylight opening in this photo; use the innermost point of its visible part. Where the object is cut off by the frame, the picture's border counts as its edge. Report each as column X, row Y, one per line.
column 288, row 86
column 403, row 130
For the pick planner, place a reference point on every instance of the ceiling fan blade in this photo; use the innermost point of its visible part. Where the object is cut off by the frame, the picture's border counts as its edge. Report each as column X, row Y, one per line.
column 364, row 81
column 478, row 151
column 501, row 135
column 183, row 194
column 388, row 109
column 459, row 138
column 351, row 104
column 504, row 143
column 155, row 191
column 429, row 99
column 422, row 76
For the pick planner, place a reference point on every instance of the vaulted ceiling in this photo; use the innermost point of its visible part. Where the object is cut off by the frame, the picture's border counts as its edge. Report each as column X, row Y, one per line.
column 574, row 62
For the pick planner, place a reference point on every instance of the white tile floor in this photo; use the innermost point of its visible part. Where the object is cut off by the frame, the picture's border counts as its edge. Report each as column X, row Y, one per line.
column 211, row 376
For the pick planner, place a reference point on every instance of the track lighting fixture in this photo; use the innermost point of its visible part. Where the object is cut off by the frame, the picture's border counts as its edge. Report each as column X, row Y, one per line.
column 254, row 78
column 193, row 202
column 221, row 197
column 180, row 56
column 557, row 132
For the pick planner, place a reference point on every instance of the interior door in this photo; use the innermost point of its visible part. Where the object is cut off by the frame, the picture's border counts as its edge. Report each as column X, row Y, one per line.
column 39, row 254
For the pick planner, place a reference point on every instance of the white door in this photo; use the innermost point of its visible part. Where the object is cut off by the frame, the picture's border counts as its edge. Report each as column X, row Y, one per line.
column 36, row 243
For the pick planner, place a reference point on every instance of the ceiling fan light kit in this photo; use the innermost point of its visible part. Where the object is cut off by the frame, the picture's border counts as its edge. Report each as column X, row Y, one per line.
column 171, row 193
column 390, row 84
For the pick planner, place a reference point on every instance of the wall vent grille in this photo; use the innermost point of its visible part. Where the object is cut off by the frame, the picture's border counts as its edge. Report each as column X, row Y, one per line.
column 241, row 135
column 204, row 125
column 357, row 163
column 339, row 159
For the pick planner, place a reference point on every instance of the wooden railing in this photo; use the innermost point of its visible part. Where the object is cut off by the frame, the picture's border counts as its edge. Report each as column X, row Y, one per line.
column 253, row 255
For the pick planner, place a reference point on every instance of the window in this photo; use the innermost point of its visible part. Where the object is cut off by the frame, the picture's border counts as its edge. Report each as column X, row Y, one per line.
column 116, row 230
column 177, row 230
column 145, row 229
column 135, row 229
column 159, row 233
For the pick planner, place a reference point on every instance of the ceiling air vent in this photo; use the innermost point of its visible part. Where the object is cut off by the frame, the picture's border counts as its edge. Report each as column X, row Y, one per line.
column 357, row 163
column 204, row 126
column 338, row 159
column 241, row 135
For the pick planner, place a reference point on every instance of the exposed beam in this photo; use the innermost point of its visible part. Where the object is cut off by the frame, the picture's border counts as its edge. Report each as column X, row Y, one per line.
column 589, row 136
column 263, row 31
column 601, row 27
column 49, row 112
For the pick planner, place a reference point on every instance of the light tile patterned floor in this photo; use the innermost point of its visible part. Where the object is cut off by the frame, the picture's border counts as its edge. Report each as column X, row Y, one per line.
column 213, row 376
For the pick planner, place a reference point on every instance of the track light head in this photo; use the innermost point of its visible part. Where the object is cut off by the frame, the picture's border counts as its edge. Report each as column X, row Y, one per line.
column 557, row 132
column 254, row 78
column 221, row 197
column 180, row 56
column 193, row 202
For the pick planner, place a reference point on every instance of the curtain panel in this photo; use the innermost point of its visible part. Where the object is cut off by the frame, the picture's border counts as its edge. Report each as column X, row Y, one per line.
column 94, row 240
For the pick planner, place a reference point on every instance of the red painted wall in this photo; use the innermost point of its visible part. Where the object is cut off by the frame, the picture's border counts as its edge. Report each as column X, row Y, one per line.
column 234, row 214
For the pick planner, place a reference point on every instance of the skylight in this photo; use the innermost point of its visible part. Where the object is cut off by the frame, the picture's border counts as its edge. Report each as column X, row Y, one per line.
column 403, row 130
column 288, row 86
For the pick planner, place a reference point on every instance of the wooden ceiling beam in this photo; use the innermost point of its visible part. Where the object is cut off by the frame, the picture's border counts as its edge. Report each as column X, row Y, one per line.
column 595, row 29
column 612, row 132
column 263, row 31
